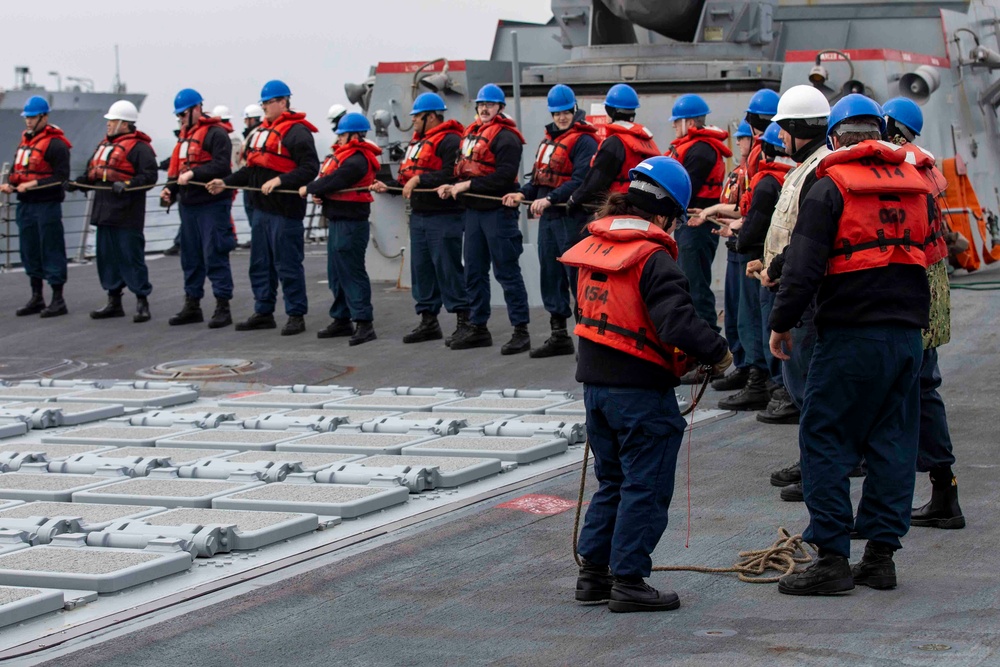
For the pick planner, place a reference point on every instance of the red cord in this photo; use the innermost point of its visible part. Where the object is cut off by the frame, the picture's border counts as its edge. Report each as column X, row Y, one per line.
column 694, row 406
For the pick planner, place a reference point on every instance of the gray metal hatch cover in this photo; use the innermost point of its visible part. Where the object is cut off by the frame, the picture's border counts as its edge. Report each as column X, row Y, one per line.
column 117, row 434
column 344, row 500
column 231, row 438
column 92, row 516
column 247, row 529
column 519, row 450
column 163, row 492
column 354, row 443
column 137, row 398
column 20, row 604
column 52, row 487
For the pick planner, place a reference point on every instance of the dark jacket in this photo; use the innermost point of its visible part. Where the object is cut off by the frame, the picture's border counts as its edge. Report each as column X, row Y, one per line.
column 220, row 147
column 345, row 176
column 507, row 148
column 750, row 240
column 664, row 290
column 583, row 151
column 57, row 155
column 429, row 203
column 129, row 208
column 608, row 160
column 302, row 149
column 698, row 163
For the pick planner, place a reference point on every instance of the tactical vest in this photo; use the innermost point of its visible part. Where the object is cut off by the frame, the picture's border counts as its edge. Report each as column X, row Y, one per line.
column 786, row 211
column 29, row 161
column 340, row 154
column 265, row 149
column 109, row 163
column 553, row 164
column 421, row 155
column 189, row 152
column 639, row 145
column 713, row 136
column 475, row 157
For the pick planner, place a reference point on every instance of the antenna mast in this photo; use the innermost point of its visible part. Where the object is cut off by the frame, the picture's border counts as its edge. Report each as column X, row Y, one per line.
column 118, row 86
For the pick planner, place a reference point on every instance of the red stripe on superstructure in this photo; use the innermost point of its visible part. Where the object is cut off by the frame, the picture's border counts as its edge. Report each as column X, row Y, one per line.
column 411, row 67
column 871, row 54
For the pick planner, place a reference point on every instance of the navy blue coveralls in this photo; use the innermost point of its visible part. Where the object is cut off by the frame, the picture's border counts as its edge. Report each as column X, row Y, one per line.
column 862, row 395
column 206, row 232
column 696, row 246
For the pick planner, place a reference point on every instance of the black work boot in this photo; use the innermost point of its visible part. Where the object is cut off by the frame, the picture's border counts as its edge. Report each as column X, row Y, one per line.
column 142, row 313
column 942, row 510
column 362, row 334
column 222, row 317
column 558, row 343
column 793, row 493
column 787, row 476
column 593, row 585
column 295, row 325
column 734, row 381
column 257, row 321
column 112, row 309
column 876, row 569
column 428, row 329
column 474, row 335
column 36, row 303
column 826, row 575
column 189, row 314
column 519, row 342
column 780, row 409
column 754, row 395
column 57, row 306
column 461, row 324
column 336, row 329
column 696, row 376
column 634, row 594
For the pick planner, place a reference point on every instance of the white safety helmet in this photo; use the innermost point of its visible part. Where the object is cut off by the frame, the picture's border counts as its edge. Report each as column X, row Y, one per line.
column 802, row 102
column 222, row 111
column 122, row 110
column 335, row 113
column 253, row 111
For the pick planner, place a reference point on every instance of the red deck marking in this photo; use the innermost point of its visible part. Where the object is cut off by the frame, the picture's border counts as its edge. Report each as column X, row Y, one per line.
column 538, row 504
column 871, row 54
column 241, row 394
column 411, row 67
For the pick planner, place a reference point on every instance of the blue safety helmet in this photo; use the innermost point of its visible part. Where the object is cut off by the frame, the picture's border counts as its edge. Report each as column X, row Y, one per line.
column 185, row 99
column 743, row 130
column 689, row 106
column 905, row 112
column 427, row 102
column 274, row 88
column 770, row 136
column 850, row 106
column 622, row 96
column 353, row 122
column 561, row 98
column 35, row 106
column 764, row 103
column 491, row 93
column 670, row 175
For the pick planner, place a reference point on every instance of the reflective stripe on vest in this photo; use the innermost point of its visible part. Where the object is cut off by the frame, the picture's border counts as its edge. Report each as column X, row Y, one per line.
column 370, row 152
column 29, row 161
column 475, row 157
column 786, row 211
column 109, row 163
column 265, row 148
column 421, row 155
column 189, row 151
column 553, row 164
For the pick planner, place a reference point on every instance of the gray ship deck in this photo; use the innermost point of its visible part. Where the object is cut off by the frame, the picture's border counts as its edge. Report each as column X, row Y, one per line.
column 490, row 586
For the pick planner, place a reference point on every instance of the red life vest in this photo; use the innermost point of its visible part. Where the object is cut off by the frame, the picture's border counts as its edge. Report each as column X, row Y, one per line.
column 340, row 154
column 734, row 185
column 713, row 136
column 885, row 207
column 753, row 161
column 265, row 148
column 109, row 163
column 475, row 157
column 777, row 168
column 553, row 165
column 639, row 145
column 421, row 155
column 189, row 151
column 610, row 308
column 29, row 161
column 935, row 248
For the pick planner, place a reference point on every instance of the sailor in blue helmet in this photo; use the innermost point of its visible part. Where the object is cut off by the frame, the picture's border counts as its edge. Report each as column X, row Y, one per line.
column 436, row 225
column 342, row 189
column 635, row 315
column 280, row 160
column 862, row 395
column 488, row 164
column 41, row 164
column 904, row 122
column 203, row 152
column 561, row 162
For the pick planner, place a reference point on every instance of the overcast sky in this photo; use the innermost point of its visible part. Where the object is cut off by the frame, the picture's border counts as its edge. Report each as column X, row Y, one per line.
column 227, row 49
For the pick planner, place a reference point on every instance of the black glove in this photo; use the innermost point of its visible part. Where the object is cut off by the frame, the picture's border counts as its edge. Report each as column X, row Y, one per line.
column 70, row 186
column 118, row 187
column 573, row 206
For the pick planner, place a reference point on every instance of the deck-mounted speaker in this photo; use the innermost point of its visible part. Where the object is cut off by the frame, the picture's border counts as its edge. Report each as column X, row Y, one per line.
column 919, row 85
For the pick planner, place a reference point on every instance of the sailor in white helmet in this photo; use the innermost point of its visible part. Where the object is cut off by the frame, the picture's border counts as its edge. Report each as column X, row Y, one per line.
column 253, row 116
column 334, row 115
column 222, row 112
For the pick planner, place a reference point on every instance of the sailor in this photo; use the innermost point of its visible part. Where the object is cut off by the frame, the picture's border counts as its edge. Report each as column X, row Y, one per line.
column 221, row 111
column 342, row 188
column 334, row 114
column 123, row 164
column 253, row 116
column 41, row 165
column 436, row 225
column 760, row 111
column 624, row 145
column 488, row 164
column 561, row 163
column 203, row 152
column 862, row 397
column 904, row 121
column 282, row 156
column 635, row 316
column 701, row 150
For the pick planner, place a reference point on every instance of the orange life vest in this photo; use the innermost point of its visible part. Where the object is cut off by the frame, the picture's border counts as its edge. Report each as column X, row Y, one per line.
column 421, row 156
column 340, row 154
column 109, row 163
column 553, row 165
column 189, row 151
column 733, row 187
column 29, row 161
column 777, row 168
column 639, row 145
column 935, row 248
column 713, row 136
column 475, row 157
column 610, row 308
column 885, row 217
column 753, row 161
column 265, row 148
